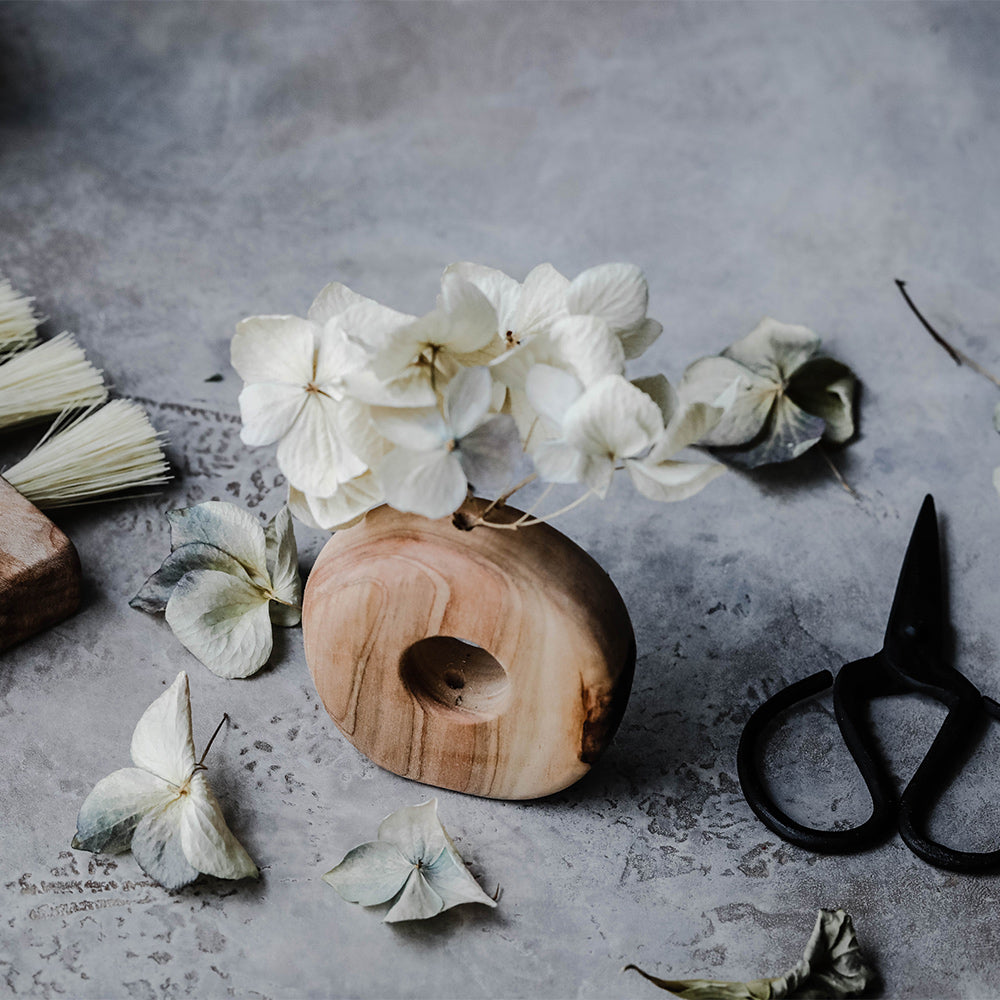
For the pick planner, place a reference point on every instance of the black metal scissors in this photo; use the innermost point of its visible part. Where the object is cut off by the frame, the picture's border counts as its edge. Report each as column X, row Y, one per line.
column 912, row 658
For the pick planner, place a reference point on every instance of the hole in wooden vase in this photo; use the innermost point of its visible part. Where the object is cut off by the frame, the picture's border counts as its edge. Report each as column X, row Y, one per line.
column 457, row 675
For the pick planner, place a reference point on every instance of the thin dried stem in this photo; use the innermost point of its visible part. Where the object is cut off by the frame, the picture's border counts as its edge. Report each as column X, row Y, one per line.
column 526, row 521
column 837, row 473
column 959, row 357
column 200, row 766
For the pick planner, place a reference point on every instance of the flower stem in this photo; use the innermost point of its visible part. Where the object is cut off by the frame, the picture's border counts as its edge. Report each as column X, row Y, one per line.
column 201, row 763
column 526, row 520
column 954, row 353
column 837, row 474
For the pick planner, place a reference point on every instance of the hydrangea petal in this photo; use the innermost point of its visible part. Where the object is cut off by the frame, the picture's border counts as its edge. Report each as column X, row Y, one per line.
column 672, row 481
column 471, row 319
column 347, row 505
column 452, row 881
column 313, row 455
column 268, row 411
column 788, row 433
column 418, row 428
column 416, row 831
column 283, row 567
column 370, row 324
column 417, row 901
column 661, row 392
column 774, row 350
column 587, row 346
column 638, row 338
column 274, row 349
column 467, row 400
column 552, row 391
column 162, row 741
column 709, row 378
column 332, row 300
column 502, row 291
column 558, row 462
column 491, row 455
column 825, row 388
column 113, row 809
column 156, row 591
column 542, row 301
column 223, row 621
column 336, row 358
column 205, row 837
column 616, row 293
column 370, row 874
column 430, row 483
column 227, row 527
column 156, row 846
column 613, row 418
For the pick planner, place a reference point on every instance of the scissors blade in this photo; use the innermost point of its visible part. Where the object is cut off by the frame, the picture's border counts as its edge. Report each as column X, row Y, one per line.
column 915, row 634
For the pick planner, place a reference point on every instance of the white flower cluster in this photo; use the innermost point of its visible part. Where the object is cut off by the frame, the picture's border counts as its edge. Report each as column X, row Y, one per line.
column 369, row 406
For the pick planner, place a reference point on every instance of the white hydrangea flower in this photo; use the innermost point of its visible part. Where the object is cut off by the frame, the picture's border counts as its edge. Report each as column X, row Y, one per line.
column 440, row 452
column 616, row 422
column 459, row 331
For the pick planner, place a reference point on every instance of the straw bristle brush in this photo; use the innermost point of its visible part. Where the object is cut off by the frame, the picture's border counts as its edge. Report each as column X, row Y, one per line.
column 18, row 321
column 101, row 451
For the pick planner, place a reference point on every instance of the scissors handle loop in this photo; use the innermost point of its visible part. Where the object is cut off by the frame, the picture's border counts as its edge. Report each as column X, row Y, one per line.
column 852, row 680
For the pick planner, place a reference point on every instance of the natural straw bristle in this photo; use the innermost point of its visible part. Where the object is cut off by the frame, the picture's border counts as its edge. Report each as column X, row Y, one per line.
column 100, row 452
column 47, row 379
column 17, row 319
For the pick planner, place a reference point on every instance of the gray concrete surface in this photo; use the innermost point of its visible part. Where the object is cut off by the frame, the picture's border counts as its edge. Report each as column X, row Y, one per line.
column 168, row 169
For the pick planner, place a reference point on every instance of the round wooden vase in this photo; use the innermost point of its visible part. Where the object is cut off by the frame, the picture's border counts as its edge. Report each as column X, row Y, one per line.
column 493, row 662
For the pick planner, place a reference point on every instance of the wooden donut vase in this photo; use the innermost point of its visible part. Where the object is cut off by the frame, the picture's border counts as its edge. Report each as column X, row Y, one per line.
column 493, row 662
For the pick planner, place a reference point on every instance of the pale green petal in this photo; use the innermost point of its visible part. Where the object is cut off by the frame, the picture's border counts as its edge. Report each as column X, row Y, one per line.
column 370, row 874
column 227, row 527
column 430, row 483
column 283, row 567
column 691, row 424
column 416, row 831
column 671, row 481
column 638, row 338
column 451, row 880
column 788, row 433
column 206, row 840
column 709, row 378
column 661, row 392
column 613, row 419
column 224, row 621
column 617, row 293
column 156, row 591
column 111, row 812
column 825, row 388
column 274, row 349
column 774, row 350
column 156, row 846
column 268, row 411
column 162, row 742
column 417, row 901
column 467, row 400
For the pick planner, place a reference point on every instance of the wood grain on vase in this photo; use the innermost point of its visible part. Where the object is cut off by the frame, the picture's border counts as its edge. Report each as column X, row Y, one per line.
column 39, row 570
column 491, row 662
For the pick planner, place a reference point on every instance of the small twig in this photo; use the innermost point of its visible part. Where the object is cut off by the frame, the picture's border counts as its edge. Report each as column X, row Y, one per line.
column 954, row 353
column 496, row 895
column 201, row 763
column 526, row 521
column 837, row 473
column 504, row 497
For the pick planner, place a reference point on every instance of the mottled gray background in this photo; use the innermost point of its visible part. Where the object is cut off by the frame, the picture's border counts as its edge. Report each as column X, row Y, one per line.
column 168, row 169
